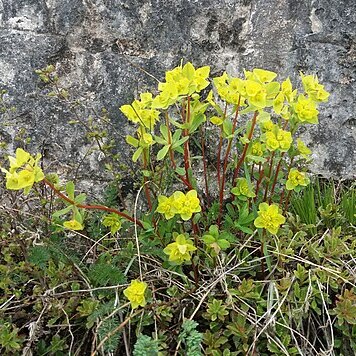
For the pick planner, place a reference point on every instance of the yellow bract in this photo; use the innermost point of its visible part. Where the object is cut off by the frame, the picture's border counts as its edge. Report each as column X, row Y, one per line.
column 180, row 250
column 306, row 110
column 23, row 172
column 179, row 203
column 278, row 139
column 269, row 218
column 141, row 111
column 166, row 206
column 315, row 90
column 73, row 225
column 181, row 81
column 242, row 188
column 135, row 293
column 296, row 178
column 303, row 149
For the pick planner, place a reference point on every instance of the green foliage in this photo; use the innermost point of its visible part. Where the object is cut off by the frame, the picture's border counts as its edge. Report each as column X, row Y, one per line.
column 227, row 228
column 145, row 346
column 9, row 339
column 191, row 338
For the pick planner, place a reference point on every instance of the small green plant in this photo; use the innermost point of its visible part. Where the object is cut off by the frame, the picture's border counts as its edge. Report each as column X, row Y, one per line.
column 227, row 229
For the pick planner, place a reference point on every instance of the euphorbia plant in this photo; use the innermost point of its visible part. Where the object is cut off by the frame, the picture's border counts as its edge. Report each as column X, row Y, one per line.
column 258, row 163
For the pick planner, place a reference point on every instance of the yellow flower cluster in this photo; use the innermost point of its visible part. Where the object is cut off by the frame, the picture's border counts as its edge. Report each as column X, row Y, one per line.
column 306, row 110
column 303, row 149
column 73, row 225
column 242, row 188
column 135, row 293
column 278, row 139
column 23, row 172
column 229, row 88
column 257, row 88
column 257, row 149
column 180, row 250
column 179, row 203
column 314, row 90
column 269, row 218
column 141, row 112
column 181, row 81
column 296, row 179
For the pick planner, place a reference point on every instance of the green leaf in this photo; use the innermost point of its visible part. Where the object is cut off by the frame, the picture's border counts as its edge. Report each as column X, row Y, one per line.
column 162, row 152
column 137, row 154
column 66, row 210
column 180, row 142
column 176, row 135
column 197, row 120
column 188, row 71
column 164, row 131
column 79, row 199
column 160, row 140
column 227, row 127
column 132, row 141
column 180, row 171
column 70, row 190
column 244, row 229
column 224, row 244
column 208, row 239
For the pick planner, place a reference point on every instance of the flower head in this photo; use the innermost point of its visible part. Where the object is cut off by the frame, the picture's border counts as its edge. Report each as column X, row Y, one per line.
column 166, row 206
column 181, row 81
column 135, row 293
column 303, row 149
column 243, row 189
column 315, row 90
column 306, row 110
column 296, row 179
column 73, row 225
column 112, row 221
column 141, row 111
column 186, row 204
column 180, row 250
column 269, row 218
column 24, row 171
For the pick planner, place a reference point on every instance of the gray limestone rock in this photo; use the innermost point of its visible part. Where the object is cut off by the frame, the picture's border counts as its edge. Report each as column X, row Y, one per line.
column 98, row 46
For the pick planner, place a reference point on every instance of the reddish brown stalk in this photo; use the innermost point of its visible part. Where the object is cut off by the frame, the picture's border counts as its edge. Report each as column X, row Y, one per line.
column 269, row 176
column 289, row 192
column 252, row 170
column 276, row 177
column 204, row 167
column 186, row 119
column 171, row 155
column 218, row 158
column 219, row 149
column 222, row 183
column 261, row 173
column 243, row 155
column 96, row 207
column 287, row 201
column 147, row 189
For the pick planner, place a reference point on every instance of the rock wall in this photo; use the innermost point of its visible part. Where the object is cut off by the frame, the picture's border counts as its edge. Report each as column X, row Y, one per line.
column 98, row 46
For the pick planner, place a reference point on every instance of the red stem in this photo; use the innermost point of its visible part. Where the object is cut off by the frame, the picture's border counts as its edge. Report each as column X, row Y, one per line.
column 261, row 175
column 147, row 189
column 219, row 149
column 96, row 207
column 171, row 155
column 275, row 177
column 204, row 168
column 269, row 176
column 186, row 119
column 242, row 158
column 222, row 185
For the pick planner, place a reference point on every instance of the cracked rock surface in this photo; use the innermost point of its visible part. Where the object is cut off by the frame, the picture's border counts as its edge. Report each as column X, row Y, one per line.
column 97, row 47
